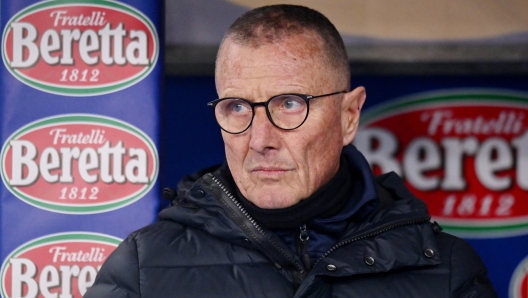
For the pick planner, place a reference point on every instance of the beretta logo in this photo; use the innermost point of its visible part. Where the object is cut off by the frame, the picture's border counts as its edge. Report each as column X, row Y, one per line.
column 80, row 47
column 464, row 152
column 79, row 163
column 519, row 281
column 56, row 265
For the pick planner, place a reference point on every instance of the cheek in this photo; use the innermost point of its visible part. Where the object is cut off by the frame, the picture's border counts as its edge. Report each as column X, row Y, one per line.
column 236, row 148
column 325, row 131
column 325, row 145
column 234, row 143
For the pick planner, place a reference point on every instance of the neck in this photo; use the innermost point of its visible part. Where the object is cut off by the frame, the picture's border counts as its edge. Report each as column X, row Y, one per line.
column 325, row 202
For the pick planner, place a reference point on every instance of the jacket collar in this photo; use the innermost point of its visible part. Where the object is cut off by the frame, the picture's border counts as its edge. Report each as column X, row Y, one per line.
column 395, row 234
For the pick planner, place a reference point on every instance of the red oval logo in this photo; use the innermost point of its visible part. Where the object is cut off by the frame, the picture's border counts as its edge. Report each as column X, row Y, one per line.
column 62, row 264
column 519, row 281
column 80, row 49
column 79, row 164
column 461, row 152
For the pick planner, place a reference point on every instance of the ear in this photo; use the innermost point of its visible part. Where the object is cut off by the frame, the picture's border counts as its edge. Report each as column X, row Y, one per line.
column 350, row 109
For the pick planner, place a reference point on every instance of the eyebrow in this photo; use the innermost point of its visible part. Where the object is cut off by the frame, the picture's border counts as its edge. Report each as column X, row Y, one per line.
column 277, row 94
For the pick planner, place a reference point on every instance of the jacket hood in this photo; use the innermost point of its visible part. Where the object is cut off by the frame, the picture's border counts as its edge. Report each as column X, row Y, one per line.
column 197, row 206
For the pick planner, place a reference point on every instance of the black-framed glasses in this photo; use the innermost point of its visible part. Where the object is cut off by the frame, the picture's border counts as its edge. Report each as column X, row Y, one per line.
column 285, row 111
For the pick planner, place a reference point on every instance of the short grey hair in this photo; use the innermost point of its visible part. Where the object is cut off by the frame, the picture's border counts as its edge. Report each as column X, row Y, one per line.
column 273, row 23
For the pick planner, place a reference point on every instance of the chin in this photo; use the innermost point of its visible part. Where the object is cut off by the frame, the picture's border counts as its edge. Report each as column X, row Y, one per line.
column 275, row 201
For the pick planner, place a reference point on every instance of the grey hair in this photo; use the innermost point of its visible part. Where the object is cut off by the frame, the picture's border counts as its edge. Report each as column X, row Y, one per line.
column 274, row 23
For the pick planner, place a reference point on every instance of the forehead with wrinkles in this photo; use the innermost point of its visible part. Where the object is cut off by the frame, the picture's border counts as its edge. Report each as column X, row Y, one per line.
column 296, row 62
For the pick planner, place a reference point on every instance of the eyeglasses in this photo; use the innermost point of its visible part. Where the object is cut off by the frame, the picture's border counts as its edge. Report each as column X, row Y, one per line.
column 285, row 111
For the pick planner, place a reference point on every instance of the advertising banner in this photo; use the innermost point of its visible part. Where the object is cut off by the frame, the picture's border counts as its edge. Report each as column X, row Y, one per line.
column 465, row 153
column 519, row 282
column 462, row 152
column 80, row 92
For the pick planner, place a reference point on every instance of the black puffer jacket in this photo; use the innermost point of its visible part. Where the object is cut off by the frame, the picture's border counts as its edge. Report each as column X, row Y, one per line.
column 207, row 246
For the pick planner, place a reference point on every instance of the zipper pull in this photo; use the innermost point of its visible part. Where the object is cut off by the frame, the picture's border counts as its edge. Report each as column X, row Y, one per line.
column 303, row 245
column 303, row 235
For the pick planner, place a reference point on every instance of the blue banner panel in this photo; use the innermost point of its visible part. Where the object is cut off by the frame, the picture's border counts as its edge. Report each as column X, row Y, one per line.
column 79, row 134
column 459, row 142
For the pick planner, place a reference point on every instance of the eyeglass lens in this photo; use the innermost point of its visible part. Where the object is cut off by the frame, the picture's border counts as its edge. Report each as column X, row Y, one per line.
column 286, row 111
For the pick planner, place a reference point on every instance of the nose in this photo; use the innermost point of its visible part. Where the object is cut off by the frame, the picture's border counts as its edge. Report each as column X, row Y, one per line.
column 264, row 134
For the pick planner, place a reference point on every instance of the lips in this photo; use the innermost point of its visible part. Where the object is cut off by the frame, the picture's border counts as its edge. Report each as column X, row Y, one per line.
column 271, row 172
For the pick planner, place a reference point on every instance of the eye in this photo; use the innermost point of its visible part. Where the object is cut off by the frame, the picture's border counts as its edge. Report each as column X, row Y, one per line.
column 238, row 107
column 289, row 103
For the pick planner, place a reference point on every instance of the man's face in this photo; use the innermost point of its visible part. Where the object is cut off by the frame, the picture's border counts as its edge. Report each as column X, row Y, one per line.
column 275, row 168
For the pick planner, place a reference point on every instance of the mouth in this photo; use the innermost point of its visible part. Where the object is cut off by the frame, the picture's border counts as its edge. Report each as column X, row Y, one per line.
column 265, row 172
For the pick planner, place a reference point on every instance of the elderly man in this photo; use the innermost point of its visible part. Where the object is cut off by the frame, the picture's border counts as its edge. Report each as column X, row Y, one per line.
column 295, row 210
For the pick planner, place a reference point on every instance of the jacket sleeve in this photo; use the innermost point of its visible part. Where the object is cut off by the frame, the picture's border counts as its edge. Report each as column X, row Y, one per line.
column 468, row 274
column 119, row 275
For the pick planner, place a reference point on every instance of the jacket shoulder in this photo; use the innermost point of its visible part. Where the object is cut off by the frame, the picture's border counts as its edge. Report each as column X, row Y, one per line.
column 468, row 274
column 119, row 275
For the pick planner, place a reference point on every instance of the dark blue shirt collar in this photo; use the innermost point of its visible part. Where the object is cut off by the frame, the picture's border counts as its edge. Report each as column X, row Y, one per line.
column 325, row 232
column 364, row 197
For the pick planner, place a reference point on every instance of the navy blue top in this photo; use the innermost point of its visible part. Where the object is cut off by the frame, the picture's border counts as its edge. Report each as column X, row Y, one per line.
column 324, row 233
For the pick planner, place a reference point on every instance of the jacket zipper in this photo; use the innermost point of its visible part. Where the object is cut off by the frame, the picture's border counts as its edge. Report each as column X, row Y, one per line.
column 303, row 246
column 375, row 232
column 257, row 226
column 299, row 267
